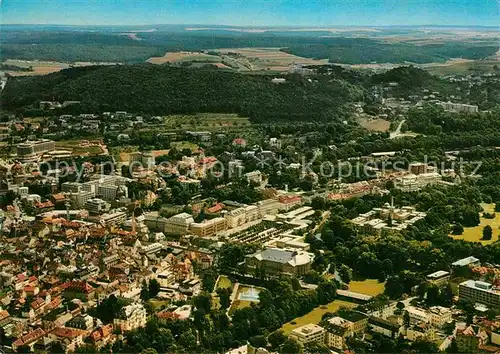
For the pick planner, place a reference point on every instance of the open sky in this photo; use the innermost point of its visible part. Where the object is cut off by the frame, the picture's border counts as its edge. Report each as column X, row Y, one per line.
column 252, row 12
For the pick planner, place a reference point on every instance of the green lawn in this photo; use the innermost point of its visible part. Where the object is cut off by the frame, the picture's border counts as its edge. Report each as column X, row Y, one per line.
column 239, row 304
column 474, row 234
column 368, row 287
column 315, row 315
column 223, row 282
column 157, row 304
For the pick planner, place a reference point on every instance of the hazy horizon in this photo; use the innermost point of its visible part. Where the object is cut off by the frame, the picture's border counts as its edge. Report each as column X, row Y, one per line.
column 256, row 13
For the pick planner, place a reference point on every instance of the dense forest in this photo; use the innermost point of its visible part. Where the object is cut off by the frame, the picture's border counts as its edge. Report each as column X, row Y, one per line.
column 359, row 51
column 164, row 90
column 88, row 45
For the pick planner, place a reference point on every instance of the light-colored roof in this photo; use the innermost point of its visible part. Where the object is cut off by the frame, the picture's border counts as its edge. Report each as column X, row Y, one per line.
column 465, row 261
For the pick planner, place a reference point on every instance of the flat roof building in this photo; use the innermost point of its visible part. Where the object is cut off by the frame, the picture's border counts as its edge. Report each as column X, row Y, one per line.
column 309, row 333
column 480, row 292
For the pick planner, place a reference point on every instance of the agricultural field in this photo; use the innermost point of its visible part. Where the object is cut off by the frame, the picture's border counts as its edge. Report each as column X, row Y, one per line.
column 464, row 67
column 474, row 234
column 368, row 287
column 272, row 59
column 37, row 67
column 179, row 57
column 241, row 59
column 315, row 315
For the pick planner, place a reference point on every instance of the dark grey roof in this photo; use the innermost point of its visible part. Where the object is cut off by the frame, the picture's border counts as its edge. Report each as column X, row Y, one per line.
column 277, row 255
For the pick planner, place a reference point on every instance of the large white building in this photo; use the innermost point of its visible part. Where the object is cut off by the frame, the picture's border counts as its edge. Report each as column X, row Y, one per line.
column 388, row 218
column 480, row 292
column 178, row 224
column 30, row 151
column 459, row 107
column 412, row 182
column 110, row 187
column 131, row 317
column 281, row 261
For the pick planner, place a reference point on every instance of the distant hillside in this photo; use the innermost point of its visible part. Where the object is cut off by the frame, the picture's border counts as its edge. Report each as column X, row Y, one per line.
column 163, row 90
column 69, row 46
column 361, row 51
column 411, row 80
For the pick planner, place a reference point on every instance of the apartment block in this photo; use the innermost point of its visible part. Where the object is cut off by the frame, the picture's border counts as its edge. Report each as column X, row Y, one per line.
column 480, row 292
column 208, row 228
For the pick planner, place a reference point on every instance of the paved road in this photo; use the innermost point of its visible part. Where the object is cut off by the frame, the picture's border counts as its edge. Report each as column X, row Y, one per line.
column 397, row 132
column 325, row 217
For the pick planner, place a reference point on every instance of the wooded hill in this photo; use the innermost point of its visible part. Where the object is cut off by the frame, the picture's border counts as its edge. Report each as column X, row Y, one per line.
column 163, row 90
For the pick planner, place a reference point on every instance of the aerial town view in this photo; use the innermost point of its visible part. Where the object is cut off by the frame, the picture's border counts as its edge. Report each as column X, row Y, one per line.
column 250, row 177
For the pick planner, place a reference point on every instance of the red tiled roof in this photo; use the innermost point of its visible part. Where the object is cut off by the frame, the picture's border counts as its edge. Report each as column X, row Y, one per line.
column 216, row 208
column 239, row 141
column 29, row 289
column 289, row 199
column 47, row 204
column 39, row 302
column 29, row 337
column 67, row 332
column 3, row 315
column 58, row 196
column 76, row 285
column 167, row 315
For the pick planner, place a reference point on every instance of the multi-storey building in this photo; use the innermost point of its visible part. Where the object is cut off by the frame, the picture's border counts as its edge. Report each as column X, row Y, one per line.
column 30, row 151
column 459, row 107
column 480, row 292
column 235, row 217
column 208, row 228
column 439, row 315
column 97, row 206
column 131, row 317
column 439, row 278
column 309, row 333
column 178, row 224
column 412, row 182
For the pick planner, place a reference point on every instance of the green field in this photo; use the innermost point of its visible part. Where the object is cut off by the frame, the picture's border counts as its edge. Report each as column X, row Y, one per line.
column 315, row 315
column 223, row 282
column 474, row 234
column 368, row 287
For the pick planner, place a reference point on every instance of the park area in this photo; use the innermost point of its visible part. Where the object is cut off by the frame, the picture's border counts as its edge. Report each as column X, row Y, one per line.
column 315, row 315
column 474, row 234
column 368, row 287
